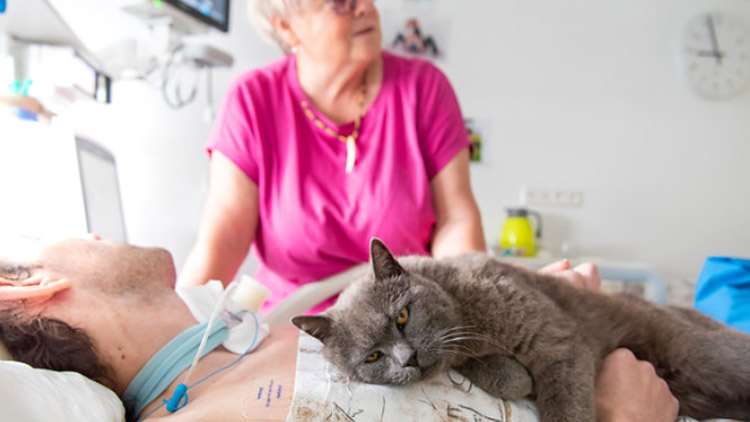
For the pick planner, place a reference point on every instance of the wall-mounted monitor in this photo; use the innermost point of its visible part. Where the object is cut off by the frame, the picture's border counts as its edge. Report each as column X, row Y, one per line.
column 212, row 12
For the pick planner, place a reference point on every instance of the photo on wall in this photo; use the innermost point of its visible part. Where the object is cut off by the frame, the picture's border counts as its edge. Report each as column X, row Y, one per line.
column 475, row 134
column 415, row 32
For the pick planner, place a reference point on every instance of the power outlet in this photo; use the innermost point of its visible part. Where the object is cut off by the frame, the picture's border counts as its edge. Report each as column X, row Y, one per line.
column 550, row 197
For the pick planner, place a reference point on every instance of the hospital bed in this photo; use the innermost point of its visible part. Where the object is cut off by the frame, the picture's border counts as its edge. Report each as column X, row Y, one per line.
column 321, row 393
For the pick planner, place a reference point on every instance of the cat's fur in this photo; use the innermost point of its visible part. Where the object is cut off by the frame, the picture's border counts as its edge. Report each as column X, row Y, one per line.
column 493, row 322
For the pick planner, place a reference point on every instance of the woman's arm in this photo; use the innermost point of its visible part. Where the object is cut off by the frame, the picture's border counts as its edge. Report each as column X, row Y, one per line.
column 459, row 224
column 228, row 225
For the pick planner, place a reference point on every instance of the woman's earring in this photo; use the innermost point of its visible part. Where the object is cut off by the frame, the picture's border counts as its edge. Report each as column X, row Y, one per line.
column 293, row 49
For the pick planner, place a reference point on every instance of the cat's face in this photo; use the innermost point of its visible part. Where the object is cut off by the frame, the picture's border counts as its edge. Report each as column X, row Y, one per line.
column 390, row 327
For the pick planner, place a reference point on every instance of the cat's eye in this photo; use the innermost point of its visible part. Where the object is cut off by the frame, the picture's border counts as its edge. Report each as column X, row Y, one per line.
column 373, row 357
column 402, row 317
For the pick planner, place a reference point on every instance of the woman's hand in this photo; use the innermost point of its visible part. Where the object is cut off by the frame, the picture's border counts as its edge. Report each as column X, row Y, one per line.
column 628, row 389
column 585, row 275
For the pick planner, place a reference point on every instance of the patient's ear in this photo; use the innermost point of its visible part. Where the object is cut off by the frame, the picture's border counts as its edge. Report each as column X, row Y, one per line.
column 316, row 325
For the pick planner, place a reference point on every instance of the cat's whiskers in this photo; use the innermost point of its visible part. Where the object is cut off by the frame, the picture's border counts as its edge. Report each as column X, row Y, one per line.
column 474, row 336
column 465, row 335
column 470, row 355
column 448, row 342
column 458, row 327
column 456, row 334
column 456, row 349
column 453, row 339
column 454, row 354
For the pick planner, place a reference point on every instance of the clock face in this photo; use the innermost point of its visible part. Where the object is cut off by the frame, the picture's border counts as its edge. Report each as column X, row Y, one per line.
column 717, row 55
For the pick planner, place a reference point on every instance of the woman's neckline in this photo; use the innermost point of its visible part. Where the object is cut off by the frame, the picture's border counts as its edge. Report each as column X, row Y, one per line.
column 343, row 127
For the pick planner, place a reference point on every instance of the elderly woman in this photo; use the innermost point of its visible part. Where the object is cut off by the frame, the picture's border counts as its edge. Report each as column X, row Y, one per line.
column 334, row 143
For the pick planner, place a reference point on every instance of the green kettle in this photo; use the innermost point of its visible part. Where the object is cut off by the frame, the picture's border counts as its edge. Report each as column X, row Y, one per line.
column 518, row 237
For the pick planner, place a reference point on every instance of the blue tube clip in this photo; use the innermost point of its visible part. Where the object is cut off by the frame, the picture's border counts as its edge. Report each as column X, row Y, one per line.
column 173, row 404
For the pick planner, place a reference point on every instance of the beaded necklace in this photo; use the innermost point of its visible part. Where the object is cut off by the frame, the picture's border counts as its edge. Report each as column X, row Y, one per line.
column 351, row 140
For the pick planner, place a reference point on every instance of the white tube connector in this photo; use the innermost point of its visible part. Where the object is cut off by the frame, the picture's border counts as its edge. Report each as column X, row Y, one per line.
column 249, row 294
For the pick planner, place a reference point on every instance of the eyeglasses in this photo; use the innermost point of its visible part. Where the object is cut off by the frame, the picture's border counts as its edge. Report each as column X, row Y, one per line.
column 343, row 7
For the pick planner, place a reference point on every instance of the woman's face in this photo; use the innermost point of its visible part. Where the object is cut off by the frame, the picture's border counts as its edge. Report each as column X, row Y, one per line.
column 351, row 35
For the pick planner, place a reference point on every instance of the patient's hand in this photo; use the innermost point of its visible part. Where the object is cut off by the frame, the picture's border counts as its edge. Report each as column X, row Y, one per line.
column 628, row 390
column 585, row 275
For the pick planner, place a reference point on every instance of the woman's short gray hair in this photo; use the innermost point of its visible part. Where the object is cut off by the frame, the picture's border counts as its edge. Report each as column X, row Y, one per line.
column 262, row 13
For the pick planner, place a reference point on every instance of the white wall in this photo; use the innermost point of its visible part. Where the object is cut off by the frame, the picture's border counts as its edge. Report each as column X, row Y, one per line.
column 49, row 201
column 582, row 94
column 590, row 95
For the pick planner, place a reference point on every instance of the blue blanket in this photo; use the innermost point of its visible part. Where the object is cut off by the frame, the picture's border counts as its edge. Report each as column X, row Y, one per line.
column 723, row 291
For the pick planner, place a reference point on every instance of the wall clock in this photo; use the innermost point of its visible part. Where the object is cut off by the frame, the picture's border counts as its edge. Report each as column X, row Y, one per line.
column 716, row 50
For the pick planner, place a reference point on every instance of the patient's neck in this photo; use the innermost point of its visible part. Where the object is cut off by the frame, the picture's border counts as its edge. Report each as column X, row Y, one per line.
column 211, row 362
column 131, row 339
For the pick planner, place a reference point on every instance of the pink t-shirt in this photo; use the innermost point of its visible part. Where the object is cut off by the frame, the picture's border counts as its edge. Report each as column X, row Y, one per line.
column 315, row 219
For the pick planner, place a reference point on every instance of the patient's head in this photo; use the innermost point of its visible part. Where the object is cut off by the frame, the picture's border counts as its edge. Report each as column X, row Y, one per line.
column 118, row 293
column 107, row 266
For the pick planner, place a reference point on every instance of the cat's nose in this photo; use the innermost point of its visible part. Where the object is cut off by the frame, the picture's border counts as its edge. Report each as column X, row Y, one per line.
column 412, row 360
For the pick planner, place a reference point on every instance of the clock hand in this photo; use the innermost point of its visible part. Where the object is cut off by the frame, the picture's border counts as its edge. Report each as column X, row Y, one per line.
column 714, row 41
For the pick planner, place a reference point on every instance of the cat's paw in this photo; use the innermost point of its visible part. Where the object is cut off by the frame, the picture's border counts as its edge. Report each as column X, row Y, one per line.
column 500, row 376
column 514, row 386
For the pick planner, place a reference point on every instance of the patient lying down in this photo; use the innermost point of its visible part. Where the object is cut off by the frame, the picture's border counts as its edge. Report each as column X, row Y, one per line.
column 121, row 309
column 124, row 309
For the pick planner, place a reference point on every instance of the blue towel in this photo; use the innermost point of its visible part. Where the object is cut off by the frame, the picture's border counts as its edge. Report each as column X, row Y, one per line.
column 723, row 291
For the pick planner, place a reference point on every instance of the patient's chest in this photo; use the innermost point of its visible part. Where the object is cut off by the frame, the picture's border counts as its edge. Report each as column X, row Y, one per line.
column 259, row 388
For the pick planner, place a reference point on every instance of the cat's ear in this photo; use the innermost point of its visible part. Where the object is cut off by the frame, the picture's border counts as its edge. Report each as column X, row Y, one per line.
column 383, row 263
column 317, row 326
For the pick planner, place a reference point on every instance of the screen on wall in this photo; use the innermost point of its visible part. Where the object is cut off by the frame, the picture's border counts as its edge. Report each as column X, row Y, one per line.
column 212, row 12
column 101, row 191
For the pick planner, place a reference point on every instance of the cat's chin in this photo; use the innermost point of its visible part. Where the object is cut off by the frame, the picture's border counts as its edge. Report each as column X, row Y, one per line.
column 410, row 375
column 405, row 376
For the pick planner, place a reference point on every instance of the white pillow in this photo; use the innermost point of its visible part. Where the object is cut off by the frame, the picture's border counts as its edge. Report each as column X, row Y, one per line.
column 31, row 395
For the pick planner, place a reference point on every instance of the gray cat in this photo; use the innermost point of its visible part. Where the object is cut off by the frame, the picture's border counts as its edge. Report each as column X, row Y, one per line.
column 517, row 333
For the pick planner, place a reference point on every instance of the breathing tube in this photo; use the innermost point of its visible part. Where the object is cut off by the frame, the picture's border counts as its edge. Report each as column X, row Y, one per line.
column 185, row 350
